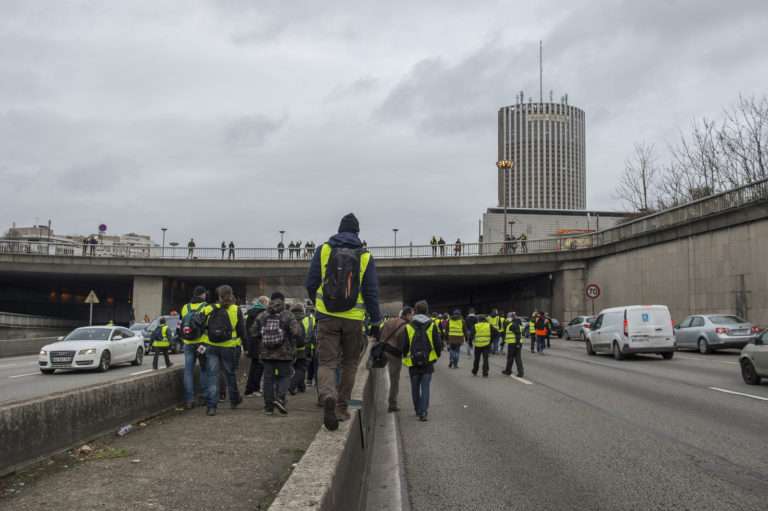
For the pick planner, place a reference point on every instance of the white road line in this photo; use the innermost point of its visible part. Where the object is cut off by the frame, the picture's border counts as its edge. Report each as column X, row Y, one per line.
column 6, row 366
column 142, row 372
column 761, row 398
column 696, row 359
column 23, row 375
column 521, row 380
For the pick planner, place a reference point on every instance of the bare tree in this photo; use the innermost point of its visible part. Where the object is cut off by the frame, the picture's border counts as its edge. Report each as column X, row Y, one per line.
column 744, row 140
column 637, row 184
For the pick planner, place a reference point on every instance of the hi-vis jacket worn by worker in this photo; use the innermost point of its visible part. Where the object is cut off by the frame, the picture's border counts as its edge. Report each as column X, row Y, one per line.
column 160, row 337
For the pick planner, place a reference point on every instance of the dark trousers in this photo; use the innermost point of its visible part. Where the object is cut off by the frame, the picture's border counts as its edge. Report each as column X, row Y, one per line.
column 420, row 391
column 312, row 369
column 478, row 353
column 338, row 340
column 227, row 359
column 548, row 343
column 515, row 356
column 158, row 351
column 541, row 343
column 299, row 375
column 253, row 384
column 277, row 376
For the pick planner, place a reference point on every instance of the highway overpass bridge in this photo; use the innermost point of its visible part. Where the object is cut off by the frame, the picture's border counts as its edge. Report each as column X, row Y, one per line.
column 708, row 255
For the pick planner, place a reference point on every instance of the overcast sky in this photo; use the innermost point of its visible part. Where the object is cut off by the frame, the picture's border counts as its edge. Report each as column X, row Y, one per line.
column 233, row 119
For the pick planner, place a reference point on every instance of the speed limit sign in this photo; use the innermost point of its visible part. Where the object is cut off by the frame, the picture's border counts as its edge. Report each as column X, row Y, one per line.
column 593, row 291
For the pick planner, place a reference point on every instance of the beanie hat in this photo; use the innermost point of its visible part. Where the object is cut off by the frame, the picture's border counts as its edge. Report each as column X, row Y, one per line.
column 277, row 295
column 199, row 291
column 349, row 224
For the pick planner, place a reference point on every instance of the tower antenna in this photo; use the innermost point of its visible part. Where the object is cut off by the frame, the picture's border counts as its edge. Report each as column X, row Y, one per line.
column 541, row 72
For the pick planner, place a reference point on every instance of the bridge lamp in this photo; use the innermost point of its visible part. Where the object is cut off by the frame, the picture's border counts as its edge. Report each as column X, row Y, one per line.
column 394, row 230
column 505, row 164
column 163, row 246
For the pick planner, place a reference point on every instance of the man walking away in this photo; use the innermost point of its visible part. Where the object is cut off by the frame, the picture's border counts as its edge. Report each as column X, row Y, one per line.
column 192, row 333
column 513, row 337
column 256, row 371
column 541, row 332
column 421, row 347
column 495, row 320
column 277, row 335
column 532, row 330
column 225, row 329
column 392, row 337
column 457, row 332
column 191, row 248
column 297, row 383
column 482, row 334
column 343, row 284
column 231, row 256
column 160, row 343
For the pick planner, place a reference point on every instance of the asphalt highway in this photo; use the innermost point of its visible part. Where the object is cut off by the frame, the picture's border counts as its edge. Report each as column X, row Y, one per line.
column 589, row 433
column 21, row 379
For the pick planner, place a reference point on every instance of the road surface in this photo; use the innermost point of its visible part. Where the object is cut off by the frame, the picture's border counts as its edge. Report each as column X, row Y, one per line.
column 589, row 433
column 21, row 379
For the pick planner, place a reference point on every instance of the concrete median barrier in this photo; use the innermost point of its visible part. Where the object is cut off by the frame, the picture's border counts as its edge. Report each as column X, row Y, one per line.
column 21, row 347
column 331, row 475
column 34, row 429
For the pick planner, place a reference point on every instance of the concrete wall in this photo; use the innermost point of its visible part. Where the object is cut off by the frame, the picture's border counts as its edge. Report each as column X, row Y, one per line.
column 38, row 428
column 147, row 297
column 721, row 271
column 20, row 347
column 541, row 224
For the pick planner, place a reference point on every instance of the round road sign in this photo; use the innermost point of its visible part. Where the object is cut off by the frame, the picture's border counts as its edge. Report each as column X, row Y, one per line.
column 593, row 291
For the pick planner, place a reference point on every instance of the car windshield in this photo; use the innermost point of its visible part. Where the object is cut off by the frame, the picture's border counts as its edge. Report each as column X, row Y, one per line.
column 89, row 334
column 726, row 320
column 138, row 327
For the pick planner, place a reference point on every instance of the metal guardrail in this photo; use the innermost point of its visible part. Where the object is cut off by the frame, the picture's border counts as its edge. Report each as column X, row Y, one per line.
column 714, row 204
column 14, row 320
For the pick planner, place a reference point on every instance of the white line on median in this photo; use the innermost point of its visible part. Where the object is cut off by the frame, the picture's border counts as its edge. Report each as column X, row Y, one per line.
column 521, row 380
column 23, row 375
column 703, row 360
column 761, row 398
column 142, row 372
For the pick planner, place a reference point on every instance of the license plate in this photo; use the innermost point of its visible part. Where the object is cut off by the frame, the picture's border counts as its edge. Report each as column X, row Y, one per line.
column 61, row 359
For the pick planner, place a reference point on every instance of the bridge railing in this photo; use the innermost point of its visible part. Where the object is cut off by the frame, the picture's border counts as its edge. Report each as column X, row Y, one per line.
column 714, row 204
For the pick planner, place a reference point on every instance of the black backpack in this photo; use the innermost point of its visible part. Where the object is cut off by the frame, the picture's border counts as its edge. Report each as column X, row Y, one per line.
column 219, row 325
column 341, row 285
column 420, row 346
column 193, row 323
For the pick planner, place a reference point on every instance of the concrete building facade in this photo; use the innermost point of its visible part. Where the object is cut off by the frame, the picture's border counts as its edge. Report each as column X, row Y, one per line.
column 545, row 143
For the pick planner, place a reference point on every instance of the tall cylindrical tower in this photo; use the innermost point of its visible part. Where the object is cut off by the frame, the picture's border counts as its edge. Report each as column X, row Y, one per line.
column 545, row 143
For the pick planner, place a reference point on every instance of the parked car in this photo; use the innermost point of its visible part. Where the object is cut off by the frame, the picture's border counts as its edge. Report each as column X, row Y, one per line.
column 631, row 329
column 557, row 328
column 709, row 332
column 174, row 322
column 754, row 360
column 93, row 347
column 578, row 328
column 138, row 328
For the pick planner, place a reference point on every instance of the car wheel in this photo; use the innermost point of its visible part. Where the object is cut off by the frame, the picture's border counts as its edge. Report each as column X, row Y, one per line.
column 139, row 357
column 105, row 362
column 748, row 372
column 617, row 354
column 667, row 355
column 590, row 351
column 704, row 348
column 47, row 371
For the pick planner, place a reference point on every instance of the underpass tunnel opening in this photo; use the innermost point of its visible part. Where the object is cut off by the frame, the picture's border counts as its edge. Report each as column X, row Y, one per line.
column 519, row 294
column 178, row 291
column 63, row 296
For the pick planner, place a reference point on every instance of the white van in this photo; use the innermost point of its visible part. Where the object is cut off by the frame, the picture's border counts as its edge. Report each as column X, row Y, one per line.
column 632, row 329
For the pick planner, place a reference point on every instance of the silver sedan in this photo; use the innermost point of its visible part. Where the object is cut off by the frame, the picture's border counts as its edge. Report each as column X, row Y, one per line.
column 710, row 332
column 577, row 328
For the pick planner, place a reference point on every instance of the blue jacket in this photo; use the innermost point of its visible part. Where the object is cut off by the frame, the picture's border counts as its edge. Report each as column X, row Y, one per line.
column 370, row 288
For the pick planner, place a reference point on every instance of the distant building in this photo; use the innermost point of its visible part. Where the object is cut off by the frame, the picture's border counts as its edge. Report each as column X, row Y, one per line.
column 545, row 144
column 40, row 239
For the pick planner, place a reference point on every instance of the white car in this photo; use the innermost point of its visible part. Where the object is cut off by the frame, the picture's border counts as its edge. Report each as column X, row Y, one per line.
column 578, row 328
column 92, row 347
column 623, row 331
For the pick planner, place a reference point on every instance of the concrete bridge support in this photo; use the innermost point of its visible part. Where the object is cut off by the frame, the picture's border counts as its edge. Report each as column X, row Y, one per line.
column 148, row 297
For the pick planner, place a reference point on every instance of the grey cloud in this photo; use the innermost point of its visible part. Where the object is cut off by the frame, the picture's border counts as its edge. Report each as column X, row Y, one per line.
column 358, row 87
column 251, row 131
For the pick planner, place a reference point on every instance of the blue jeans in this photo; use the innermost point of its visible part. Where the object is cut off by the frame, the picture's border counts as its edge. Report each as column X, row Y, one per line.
column 540, row 343
column 277, row 377
column 420, row 391
column 190, row 357
column 227, row 359
column 454, row 351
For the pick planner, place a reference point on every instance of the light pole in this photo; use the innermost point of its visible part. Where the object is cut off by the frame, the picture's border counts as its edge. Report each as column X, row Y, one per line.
column 162, row 253
column 505, row 165
column 282, row 236
column 394, row 230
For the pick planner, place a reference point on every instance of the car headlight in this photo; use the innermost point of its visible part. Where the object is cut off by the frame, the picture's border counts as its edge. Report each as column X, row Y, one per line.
column 43, row 353
column 89, row 351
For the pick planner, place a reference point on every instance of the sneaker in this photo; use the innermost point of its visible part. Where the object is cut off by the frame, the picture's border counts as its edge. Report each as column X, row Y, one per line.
column 474, row 373
column 343, row 414
column 508, row 373
column 423, row 418
column 280, row 405
column 329, row 414
column 211, row 412
column 257, row 393
column 235, row 404
column 292, row 392
column 269, row 412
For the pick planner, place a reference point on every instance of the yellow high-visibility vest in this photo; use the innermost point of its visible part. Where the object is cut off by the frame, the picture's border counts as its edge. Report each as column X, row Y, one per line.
column 407, row 362
column 191, row 307
column 456, row 328
column 512, row 336
column 482, row 334
column 232, row 313
column 358, row 311
column 163, row 342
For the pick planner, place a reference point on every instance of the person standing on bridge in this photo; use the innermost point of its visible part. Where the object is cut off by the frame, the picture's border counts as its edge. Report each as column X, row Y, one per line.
column 192, row 333
column 441, row 244
column 482, row 334
column 160, row 344
column 223, row 249
column 391, row 336
column 421, row 348
column 457, row 333
column 280, row 250
column 523, row 243
column 343, row 285
column 433, row 242
column 231, row 255
column 513, row 337
column 191, row 248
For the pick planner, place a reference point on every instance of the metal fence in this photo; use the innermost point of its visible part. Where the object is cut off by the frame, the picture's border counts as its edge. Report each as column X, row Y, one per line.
column 712, row 205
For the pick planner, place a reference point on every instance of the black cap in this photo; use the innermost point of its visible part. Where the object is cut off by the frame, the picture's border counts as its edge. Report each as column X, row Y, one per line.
column 277, row 295
column 199, row 291
column 349, row 224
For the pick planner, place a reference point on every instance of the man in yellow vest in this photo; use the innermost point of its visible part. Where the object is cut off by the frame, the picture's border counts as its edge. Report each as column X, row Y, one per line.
column 513, row 338
column 421, row 347
column 532, row 330
column 160, row 343
column 495, row 322
column 193, row 336
column 481, row 334
column 343, row 285
column 457, row 333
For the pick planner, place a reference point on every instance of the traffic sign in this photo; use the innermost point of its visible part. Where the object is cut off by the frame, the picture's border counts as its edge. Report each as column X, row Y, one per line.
column 92, row 298
column 593, row 291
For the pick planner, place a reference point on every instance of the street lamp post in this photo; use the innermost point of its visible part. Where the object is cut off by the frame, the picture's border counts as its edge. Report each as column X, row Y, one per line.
column 504, row 165
column 394, row 230
column 282, row 236
column 162, row 253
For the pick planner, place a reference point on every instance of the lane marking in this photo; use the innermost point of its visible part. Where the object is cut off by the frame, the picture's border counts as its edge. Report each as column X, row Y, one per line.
column 521, row 380
column 142, row 372
column 696, row 359
column 761, row 398
column 6, row 366
column 23, row 375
